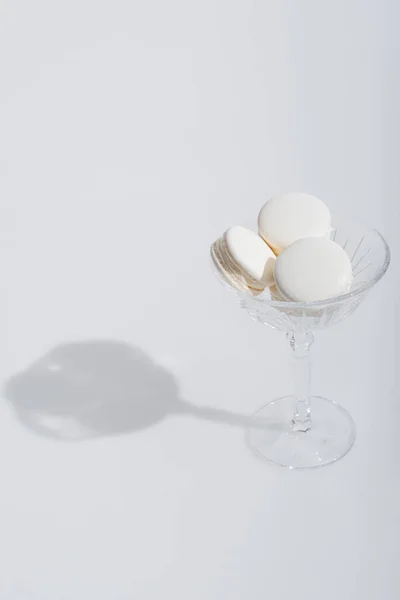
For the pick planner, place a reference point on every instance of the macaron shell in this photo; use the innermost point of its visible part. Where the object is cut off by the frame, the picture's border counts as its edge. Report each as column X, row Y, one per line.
column 230, row 275
column 251, row 255
column 313, row 269
column 285, row 219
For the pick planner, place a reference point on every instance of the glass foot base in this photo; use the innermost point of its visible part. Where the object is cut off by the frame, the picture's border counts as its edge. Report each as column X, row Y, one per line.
column 272, row 437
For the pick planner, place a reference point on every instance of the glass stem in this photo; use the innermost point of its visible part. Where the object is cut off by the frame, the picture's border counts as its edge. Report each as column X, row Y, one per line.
column 300, row 344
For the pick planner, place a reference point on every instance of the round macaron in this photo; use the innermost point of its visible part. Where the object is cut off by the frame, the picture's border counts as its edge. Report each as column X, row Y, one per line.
column 288, row 218
column 313, row 269
column 244, row 259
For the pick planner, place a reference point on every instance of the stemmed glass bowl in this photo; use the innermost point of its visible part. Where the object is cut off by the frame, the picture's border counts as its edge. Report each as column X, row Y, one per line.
column 304, row 431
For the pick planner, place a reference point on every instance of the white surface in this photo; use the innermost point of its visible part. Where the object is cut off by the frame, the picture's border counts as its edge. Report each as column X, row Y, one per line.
column 251, row 254
column 116, row 118
column 290, row 217
column 313, row 269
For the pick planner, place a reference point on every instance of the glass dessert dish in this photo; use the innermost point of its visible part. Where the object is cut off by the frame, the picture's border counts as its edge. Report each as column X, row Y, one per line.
column 303, row 431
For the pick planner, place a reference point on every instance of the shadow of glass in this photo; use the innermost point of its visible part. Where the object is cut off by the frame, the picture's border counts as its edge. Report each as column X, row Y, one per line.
column 98, row 388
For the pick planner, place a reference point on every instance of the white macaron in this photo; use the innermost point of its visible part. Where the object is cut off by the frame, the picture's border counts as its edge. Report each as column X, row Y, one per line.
column 244, row 259
column 288, row 218
column 312, row 269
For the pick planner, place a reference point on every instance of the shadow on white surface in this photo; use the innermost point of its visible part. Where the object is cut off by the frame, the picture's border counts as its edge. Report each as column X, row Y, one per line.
column 98, row 388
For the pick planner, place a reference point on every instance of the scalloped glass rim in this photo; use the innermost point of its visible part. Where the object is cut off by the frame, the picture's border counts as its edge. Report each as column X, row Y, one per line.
column 318, row 303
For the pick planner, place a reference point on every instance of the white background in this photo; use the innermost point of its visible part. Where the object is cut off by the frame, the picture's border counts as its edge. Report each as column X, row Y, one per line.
column 132, row 134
